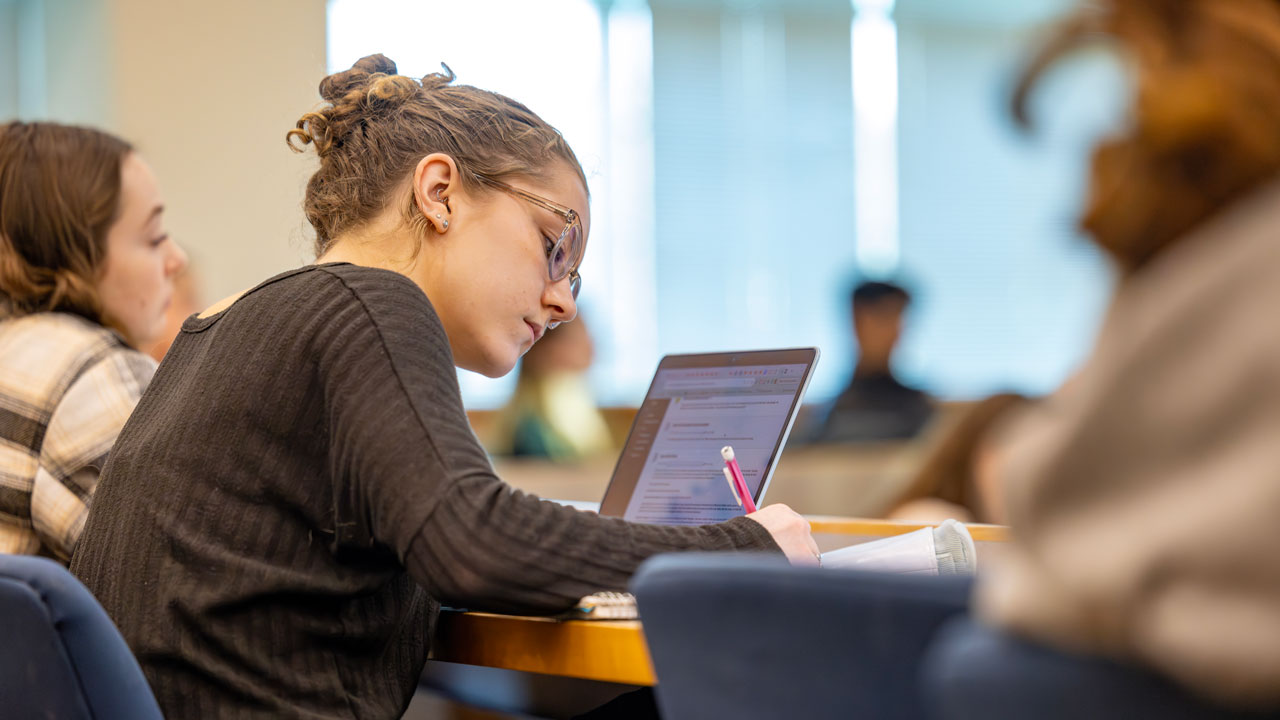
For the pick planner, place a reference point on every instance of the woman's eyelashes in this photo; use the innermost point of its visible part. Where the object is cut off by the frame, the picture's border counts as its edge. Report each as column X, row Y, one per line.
column 548, row 244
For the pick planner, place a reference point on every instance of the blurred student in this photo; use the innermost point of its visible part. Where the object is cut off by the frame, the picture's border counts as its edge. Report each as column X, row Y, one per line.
column 86, row 272
column 876, row 406
column 186, row 302
column 1143, row 495
column 553, row 414
column 300, row 490
column 959, row 479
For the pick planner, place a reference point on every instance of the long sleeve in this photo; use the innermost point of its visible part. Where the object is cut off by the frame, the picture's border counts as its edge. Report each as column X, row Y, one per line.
column 409, row 474
column 299, row 487
column 81, row 431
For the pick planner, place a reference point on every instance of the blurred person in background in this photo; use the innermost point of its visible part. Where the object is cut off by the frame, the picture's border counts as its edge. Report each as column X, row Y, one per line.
column 959, row 477
column 187, row 301
column 553, row 414
column 876, row 406
column 1142, row 495
column 86, row 275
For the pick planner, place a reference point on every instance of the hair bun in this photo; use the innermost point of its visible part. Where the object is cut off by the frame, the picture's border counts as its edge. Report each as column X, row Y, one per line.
column 369, row 89
column 437, row 80
column 338, row 85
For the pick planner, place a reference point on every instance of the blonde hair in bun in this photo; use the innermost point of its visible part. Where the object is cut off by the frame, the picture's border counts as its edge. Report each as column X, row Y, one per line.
column 375, row 125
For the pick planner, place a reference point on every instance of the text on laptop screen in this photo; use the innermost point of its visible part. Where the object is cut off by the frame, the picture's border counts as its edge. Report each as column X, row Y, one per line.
column 688, row 416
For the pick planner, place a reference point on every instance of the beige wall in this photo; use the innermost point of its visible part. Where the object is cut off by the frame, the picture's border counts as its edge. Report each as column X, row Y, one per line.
column 206, row 91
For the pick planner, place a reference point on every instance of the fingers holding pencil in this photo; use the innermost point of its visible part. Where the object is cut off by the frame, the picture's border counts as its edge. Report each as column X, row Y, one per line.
column 791, row 531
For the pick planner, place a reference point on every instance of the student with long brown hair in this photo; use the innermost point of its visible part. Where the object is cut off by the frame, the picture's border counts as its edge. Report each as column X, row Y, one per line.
column 1143, row 495
column 299, row 490
column 86, row 272
column 959, row 477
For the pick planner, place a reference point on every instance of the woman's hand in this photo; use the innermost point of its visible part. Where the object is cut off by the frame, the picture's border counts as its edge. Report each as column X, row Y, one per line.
column 790, row 531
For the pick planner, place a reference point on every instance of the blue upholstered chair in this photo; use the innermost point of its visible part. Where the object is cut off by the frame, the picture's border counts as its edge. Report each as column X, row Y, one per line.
column 974, row 672
column 746, row 636
column 60, row 655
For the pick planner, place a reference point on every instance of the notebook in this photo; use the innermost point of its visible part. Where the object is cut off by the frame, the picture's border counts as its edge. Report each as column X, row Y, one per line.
column 604, row 606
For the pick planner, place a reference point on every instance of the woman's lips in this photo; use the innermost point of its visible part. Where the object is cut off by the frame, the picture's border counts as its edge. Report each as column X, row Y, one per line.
column 535, row 330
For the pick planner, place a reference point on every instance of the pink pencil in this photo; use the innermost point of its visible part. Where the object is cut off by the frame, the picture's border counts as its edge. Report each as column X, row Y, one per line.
column 738, row 480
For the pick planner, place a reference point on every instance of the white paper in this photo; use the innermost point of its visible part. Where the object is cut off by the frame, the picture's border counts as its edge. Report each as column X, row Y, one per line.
column 907, row 554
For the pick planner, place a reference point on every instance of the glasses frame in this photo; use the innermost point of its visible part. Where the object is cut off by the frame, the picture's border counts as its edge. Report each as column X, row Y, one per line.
column 570, row 217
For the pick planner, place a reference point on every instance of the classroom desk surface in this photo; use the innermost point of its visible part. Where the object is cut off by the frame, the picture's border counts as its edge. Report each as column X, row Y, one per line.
column 607, row 650
column 870, row 528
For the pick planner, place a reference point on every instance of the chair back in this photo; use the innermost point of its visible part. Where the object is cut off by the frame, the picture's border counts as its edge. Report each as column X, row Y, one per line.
column 60, row 655
column 974, row 672
column 749, row 636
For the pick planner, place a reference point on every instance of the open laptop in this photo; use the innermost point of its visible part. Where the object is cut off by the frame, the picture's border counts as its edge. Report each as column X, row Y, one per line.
column 670, row 471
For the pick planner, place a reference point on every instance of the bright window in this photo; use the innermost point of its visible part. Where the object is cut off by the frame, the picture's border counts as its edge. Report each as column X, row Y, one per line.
column 747, row 160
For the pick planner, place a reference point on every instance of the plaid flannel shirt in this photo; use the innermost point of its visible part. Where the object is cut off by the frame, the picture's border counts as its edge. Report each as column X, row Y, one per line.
column 67, row 386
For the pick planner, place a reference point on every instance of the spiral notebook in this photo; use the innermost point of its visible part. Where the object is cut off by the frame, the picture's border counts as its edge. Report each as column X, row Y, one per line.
column 604, row 606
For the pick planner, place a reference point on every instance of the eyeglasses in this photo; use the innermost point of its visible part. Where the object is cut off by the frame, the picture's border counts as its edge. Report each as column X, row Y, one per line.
column 566, row 252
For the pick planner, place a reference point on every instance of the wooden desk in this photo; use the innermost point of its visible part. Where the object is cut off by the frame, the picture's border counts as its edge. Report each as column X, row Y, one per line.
column 854, row 528
column 608, row 650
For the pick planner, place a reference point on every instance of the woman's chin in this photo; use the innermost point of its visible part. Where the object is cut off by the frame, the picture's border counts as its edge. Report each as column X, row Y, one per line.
column 493, row 366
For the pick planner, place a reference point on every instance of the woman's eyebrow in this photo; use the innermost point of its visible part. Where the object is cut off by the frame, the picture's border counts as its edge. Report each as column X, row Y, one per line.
column 548, row 217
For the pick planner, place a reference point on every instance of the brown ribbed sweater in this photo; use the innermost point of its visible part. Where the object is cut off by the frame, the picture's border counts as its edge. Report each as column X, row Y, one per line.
column 299, row 489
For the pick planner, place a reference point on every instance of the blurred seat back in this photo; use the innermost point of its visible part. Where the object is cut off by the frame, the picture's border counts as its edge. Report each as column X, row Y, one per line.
column 749, row 636
column 973, row 672
column 60, row 655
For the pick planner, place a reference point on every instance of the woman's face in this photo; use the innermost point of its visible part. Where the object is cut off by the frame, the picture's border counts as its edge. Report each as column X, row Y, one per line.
column 489, row 281
column 135, row 283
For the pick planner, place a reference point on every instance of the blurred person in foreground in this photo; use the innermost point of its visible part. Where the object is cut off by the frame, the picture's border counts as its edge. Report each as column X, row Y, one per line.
column 876, row 406
column 1143, row 495
column 553, row 414
column 959, row 479
column 86, row 274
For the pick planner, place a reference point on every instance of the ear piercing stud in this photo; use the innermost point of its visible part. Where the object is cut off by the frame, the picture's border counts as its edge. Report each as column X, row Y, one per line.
column 438, row 215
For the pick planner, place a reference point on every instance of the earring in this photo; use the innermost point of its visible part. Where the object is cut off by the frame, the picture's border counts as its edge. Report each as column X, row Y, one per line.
column 437, row 216
column 446, row 224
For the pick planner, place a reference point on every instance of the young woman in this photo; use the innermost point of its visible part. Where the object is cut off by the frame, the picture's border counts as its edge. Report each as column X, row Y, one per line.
column 86, row 271
column 299, row 489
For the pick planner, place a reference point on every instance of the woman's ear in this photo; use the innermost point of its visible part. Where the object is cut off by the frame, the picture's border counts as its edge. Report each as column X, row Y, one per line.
column 434, row 179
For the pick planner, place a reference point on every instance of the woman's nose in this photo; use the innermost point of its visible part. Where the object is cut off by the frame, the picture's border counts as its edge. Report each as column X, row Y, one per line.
column 559, row 298
column 177, row 259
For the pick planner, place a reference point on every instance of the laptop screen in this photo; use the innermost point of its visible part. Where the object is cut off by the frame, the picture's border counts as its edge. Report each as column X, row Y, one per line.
column 671, row 471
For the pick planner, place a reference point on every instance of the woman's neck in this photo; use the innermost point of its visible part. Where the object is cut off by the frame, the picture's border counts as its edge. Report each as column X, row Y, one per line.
column 381, row 243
